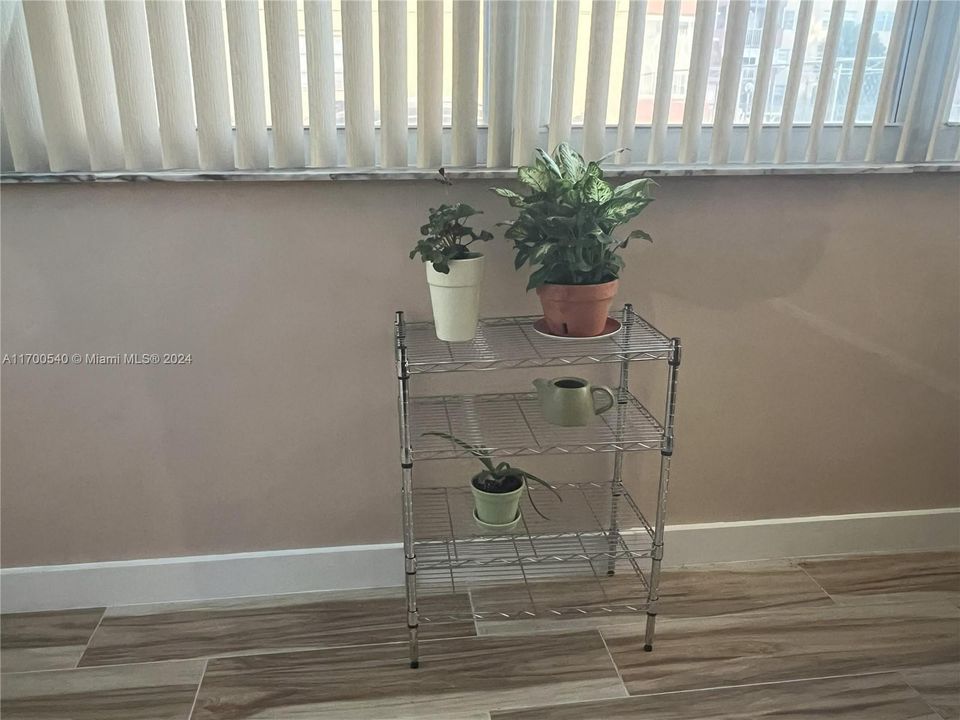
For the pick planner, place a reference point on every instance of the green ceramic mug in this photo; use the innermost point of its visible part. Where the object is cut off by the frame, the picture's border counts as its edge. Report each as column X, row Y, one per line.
column 570, row 401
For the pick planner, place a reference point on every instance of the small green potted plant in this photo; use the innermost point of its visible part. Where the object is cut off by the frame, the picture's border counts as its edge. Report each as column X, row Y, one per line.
column 564, row 229
column 497, row 489
column 454, row 272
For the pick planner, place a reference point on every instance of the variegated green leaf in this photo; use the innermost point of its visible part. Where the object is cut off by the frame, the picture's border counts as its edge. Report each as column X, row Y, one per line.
column 634, row 188
column 549, row 162
column 570, row 162
column 535, row 177
column 597, row 191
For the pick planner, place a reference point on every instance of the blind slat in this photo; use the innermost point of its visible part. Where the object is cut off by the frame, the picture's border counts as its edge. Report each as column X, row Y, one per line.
column 98, row 92
column 891, row 68
column 246, row 71
column 856, row 77
column 825, row 81
column 6, row 158
column 503, row 53
column 564, row 58
column 946, row 94
column 934, row 19
column 136, row 94
column 704, row 23
column 57, row 88
column 321, row 82
column 598, row 77
column 804, row 14
column 208, row 60
column 358, row 82
column 669, row 28
column 429, row 83
column 394, row 119
column 526, row 110
column 546, row 62
column 466, row 58
column 18, row 93
column 286, row 102
column 738, row 13
column 170, row 50
column 768, row 41
column 630, row 88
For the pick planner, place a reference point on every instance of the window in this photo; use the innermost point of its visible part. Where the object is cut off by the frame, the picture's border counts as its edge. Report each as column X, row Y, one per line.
column 809, row 72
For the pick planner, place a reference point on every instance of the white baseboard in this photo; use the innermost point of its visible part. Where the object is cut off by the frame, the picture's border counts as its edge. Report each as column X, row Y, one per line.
column 128, row 582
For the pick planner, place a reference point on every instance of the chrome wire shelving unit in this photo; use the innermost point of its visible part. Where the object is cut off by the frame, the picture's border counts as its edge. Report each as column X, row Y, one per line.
column 596, row 543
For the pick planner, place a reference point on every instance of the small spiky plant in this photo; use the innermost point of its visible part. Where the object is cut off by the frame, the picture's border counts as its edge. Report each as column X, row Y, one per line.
column 494, row 478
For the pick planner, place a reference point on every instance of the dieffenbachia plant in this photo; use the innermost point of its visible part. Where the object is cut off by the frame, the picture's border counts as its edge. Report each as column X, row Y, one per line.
column 565, row 223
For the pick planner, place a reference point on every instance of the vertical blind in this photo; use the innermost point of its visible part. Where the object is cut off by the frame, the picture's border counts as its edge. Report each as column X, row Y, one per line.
column 140, row 85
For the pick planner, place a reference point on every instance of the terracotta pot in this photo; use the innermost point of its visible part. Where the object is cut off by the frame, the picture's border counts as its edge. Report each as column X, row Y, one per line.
column 577, row 310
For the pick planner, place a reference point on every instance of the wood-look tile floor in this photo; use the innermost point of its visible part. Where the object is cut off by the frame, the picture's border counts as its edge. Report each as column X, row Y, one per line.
column 872, row 638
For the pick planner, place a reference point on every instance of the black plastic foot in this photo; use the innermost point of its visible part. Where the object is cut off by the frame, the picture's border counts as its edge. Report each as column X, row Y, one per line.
column 414, row 664
column 610, row 572
column 648, row 648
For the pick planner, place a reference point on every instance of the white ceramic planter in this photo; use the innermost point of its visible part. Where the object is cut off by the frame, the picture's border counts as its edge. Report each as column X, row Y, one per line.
column 497, row 511
column 455, row 298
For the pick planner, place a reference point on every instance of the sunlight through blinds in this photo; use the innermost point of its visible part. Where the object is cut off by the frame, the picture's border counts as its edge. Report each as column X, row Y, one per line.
column 313, row 86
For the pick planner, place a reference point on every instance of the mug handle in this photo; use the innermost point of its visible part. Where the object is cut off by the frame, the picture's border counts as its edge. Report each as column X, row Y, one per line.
column 609, row 393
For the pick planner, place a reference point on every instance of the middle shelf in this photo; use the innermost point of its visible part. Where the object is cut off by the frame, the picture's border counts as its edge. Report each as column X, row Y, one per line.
column 511, row 425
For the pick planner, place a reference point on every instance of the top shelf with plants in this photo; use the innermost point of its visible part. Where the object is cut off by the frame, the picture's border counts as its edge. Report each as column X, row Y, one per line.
column 511, row 342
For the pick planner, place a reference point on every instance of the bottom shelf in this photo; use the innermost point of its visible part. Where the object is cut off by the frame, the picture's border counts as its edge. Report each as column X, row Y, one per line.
column 550, row 568
column 573, row 596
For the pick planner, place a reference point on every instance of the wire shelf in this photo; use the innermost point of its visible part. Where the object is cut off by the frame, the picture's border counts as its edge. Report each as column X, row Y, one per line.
column 513, row 343
column 573, row 544
column 511, row 424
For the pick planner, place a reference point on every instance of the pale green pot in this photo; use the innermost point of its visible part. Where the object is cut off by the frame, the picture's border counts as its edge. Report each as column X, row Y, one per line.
column 501, row 510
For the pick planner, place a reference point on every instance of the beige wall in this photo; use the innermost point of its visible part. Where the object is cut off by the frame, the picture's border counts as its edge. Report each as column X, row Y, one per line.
column 819, row 317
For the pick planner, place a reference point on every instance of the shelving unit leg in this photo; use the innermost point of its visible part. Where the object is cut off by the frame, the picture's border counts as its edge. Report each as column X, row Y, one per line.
column 616, row 485
column 665, row 456
column 406, row 491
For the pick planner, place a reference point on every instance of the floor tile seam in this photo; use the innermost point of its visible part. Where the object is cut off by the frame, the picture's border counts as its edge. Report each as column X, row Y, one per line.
column 900, row 674
column 196, row 695
column 262, row 651
column 86, row 645
column 626, row 693
column 762, row 683
column 816, row 582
